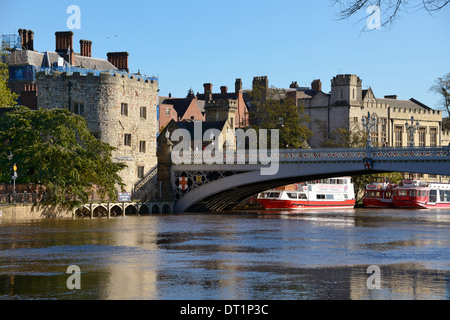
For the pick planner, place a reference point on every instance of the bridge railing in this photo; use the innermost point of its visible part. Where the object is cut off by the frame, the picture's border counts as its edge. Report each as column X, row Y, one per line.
column 308, row 155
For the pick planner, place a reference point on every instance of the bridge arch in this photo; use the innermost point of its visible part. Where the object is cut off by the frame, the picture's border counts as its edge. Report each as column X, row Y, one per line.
column 301, row 165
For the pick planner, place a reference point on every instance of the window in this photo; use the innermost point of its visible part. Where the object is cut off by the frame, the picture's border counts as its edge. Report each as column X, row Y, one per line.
column 320, row 197
column 124, row 109
column 143, row 112
column 433, row 137
column 330, row 196
column 422, row 137
column 292, row 195
column 433, row 195
column 398, row 136
column 168, row 112
column 127, row 139
column 140, row 172
column 78, row 108
column 353, row 93
column 142, row 146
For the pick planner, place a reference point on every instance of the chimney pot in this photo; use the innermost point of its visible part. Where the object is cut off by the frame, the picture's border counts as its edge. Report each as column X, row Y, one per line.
column 119, row 60
column 316, row 85
column 224, row 90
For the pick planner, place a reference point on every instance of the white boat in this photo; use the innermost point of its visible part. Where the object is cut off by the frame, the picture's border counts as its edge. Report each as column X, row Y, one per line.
column 319, row 194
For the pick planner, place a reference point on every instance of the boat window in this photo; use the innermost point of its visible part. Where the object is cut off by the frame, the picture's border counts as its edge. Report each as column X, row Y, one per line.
column 292, row 195
column 388, row 195
column 330, row 196
column 412, row 193
column 321, row 196
column 433, row 196
column 302, row 196
column 402, row 193
column 447, row 196
column 274, row 195
column 442, row 194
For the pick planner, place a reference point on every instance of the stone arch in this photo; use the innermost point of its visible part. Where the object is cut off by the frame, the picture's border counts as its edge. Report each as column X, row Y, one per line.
column 100, row 211
column 131, row 210
column 144, row 209
column 166, row 208
column 155, row 209
column 116, row 210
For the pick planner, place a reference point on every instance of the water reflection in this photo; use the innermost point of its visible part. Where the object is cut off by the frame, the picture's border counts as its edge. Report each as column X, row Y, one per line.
column 247, row 255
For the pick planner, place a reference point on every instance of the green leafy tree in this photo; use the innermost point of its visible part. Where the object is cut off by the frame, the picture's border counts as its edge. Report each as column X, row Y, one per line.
column 272, row 109
column 55, row 149
column 7, row 98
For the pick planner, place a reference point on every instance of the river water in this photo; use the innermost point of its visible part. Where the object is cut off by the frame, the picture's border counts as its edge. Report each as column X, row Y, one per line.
column 242, row 255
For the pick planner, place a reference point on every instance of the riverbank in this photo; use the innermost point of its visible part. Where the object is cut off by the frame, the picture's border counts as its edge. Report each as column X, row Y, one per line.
column 33, row 212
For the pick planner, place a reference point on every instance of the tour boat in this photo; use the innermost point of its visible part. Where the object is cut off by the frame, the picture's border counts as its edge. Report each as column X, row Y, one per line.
column 422, row 195
column 318, row 194
column 378, row 194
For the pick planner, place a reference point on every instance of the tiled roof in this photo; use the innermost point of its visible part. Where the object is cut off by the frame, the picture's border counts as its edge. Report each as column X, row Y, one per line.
column 408, row 104
column 48, row 58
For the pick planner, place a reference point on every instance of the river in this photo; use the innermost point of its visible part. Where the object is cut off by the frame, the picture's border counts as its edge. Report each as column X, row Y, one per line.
column 242, row 255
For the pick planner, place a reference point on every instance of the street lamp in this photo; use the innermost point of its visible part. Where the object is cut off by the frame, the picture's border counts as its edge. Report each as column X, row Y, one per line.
column 369, row 123
column 412, row 128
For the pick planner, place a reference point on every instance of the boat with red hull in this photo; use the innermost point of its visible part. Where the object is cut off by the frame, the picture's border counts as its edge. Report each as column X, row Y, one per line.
column 378, row 194
column 421, row 195
column 319, row 194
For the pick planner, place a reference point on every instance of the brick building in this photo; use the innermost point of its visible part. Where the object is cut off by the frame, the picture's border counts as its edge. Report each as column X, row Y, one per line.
column 119, row 107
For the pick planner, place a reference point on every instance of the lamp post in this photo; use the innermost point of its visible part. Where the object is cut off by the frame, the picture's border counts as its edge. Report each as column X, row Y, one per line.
column 10, row 157
column 369, row 123
column 412, row 128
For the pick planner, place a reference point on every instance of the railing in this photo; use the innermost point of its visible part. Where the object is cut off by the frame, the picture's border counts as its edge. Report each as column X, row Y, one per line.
column 312, row 155
column 21, row 198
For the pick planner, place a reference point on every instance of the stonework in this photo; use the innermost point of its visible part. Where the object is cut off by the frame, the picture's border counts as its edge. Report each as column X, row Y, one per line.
column 119, row 110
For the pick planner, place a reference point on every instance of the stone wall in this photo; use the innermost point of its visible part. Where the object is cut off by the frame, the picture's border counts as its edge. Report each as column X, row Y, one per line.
column 116, row 107
column 30, row 212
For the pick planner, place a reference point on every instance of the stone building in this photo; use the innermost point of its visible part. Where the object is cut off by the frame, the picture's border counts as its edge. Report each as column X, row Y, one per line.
column 119, row 107
column 347, row 103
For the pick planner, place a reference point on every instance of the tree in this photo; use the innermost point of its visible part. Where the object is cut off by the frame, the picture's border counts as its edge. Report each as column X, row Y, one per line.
column 54, row 149
column 442, row 87
column 7, row 98
column 391, row 9
column 277, row 111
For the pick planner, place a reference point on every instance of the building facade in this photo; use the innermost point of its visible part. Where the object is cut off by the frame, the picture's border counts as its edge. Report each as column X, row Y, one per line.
column 119, row 107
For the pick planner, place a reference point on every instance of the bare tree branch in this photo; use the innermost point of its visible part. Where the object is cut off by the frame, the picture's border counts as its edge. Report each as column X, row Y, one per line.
column 391, row 9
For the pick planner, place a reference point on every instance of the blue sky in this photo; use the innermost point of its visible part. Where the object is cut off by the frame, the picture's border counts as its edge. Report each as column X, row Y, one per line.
column 188, row 43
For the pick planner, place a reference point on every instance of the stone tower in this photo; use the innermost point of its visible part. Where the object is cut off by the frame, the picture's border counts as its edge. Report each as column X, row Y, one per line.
column 346, row 89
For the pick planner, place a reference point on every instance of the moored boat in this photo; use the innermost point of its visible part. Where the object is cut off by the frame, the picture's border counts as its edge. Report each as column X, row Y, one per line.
column 378, row 193
column 318, row 194
column 421, row 195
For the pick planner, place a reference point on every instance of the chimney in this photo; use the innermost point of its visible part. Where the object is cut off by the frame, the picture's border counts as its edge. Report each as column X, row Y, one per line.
column 208, row 91
column 30, row 43
column 316, row 85
column 86, row 48
column 238, row 86
column 394, row 97
column 293, row 85
column 224, row 90
column 119, row 60
column 26, row 37
column 64, row 45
